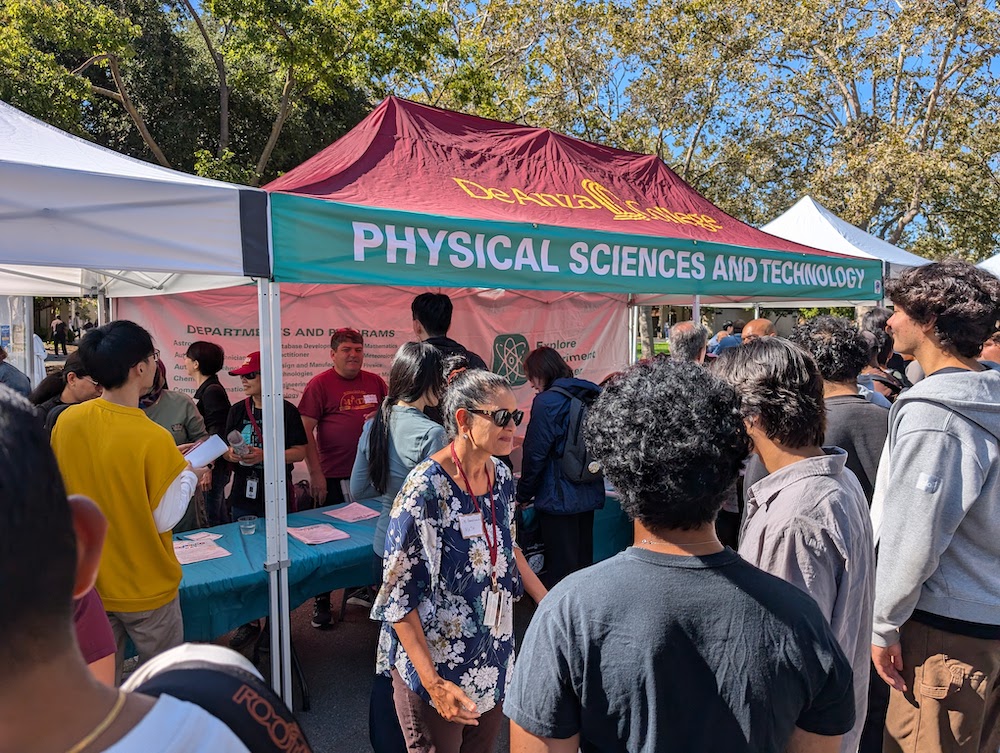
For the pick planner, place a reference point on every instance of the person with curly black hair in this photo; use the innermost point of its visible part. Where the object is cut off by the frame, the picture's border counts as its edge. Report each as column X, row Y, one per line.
column 936, row 632
column 676, row 643
column 806, row 521
column 854, row 424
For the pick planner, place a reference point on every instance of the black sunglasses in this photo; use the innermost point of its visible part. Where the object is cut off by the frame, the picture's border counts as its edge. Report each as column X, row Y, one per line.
column 500, row 417
column 250, row 375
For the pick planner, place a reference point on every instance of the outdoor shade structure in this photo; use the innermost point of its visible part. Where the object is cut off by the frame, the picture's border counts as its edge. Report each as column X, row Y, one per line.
column 992, row 265
column 436, row 198
column 809, row 222
column 418, row 196
column 78, row 219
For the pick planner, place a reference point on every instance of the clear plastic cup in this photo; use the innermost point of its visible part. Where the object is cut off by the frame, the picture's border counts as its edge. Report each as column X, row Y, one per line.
column 248, row 524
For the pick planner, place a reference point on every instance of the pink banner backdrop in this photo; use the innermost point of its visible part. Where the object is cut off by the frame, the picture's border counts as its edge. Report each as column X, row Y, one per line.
column 589, row 330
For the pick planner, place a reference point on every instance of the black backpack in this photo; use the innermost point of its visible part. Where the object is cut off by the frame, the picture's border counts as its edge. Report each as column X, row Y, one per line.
column 576, row 464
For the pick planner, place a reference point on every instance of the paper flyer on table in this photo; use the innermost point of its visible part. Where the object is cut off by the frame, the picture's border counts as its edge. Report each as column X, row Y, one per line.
column 203, row 536
column 352, row 513
column 320, row 533
column 198, row 551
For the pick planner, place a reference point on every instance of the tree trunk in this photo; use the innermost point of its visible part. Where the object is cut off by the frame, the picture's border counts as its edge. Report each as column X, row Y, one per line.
column 646, row 331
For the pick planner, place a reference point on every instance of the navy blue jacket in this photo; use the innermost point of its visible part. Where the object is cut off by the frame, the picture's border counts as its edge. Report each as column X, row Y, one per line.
column 541, row 477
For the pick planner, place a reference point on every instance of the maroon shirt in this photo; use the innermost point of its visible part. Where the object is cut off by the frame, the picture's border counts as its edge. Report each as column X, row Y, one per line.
column 93, row 631
column 339, row 407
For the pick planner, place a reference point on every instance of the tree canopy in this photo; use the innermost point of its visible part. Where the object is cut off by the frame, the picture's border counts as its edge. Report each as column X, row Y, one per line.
column 884, row 111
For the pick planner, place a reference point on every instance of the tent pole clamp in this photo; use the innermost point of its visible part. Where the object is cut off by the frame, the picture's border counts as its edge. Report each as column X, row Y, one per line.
column 270, row 567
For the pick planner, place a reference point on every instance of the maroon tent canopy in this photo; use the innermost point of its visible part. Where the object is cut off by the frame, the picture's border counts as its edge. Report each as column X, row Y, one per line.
column 489, row 188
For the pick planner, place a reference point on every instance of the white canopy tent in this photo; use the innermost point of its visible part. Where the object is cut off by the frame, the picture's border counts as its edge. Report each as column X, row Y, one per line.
column 811, row 223
column 992, row 265
column 79, row 219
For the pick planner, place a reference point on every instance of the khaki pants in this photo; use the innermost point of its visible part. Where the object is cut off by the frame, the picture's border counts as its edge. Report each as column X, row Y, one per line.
column 952, row 702
column 152, row 632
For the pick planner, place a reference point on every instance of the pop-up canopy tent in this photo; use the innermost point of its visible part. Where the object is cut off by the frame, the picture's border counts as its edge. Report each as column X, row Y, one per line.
column 442, row 199
column 419, row 196
column 992, row 265
column 76, row 218
column 79, row 219
column 809, row 222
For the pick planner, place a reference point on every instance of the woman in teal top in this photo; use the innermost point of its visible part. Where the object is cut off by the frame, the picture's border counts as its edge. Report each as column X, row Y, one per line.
column 392, row 444
column 400, row 436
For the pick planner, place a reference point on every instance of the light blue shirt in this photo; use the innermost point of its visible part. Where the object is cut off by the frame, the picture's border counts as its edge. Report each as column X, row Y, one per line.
column 413, row 437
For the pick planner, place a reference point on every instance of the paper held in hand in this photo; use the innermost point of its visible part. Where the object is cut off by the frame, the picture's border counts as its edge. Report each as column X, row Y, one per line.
column 206, row 452
column 198, row 551
column 320, row 533
column 352, row 513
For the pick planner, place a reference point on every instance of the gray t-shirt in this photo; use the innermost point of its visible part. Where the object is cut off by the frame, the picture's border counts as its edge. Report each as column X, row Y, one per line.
column 859, row 428
column 650, row 653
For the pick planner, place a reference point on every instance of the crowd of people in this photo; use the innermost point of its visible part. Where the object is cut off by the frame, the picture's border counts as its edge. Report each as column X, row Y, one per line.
column 811, row 570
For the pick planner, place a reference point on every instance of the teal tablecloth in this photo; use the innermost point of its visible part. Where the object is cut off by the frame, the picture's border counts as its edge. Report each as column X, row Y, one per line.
column 220, row 595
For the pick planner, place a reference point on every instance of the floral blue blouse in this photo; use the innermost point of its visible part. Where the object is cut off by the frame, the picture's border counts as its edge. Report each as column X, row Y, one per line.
column 430, row 567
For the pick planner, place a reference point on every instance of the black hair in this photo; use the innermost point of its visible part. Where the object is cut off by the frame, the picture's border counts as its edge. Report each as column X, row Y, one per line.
column 54, row 384
column 961, row 299
column 110, row 352
column 687, row 340
column 839, row 349
column 469, row 389
column 670, row 437
column 415, row 371
column 874, row 320
column 37, row 540
column 738, row 326
column 433, row 311
column 453, row 365
column 210, row 356
column 780, row 385
column 546, row 364
column 881, row 347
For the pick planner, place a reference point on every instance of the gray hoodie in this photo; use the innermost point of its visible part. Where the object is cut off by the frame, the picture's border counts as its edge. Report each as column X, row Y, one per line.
column 936, row 508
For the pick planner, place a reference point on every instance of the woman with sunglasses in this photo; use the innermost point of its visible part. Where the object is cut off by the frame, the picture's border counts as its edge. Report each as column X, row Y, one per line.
column 564, row 508
column 451, row 574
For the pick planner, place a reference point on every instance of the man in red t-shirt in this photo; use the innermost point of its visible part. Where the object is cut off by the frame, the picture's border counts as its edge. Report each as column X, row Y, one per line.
column 334, row 407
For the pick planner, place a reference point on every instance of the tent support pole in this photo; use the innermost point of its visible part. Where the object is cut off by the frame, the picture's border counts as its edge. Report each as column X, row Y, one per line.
column 102, row 309
column 885, row 279
column 633, row 333
column 756, row 311
column 696, row 309
column 628, row 309
column 276, row 562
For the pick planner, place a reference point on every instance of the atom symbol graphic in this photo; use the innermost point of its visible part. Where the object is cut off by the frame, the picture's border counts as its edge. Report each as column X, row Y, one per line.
column 508, row 358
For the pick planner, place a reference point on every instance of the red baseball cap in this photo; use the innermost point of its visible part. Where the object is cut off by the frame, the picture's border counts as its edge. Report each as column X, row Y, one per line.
column 250, row 364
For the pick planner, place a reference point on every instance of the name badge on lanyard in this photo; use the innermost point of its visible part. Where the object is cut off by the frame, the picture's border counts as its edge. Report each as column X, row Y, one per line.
column 471, row 525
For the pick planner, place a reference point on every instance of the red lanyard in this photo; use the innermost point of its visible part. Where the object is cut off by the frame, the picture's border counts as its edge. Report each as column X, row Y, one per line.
column 493, row 546
column 248, row 404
